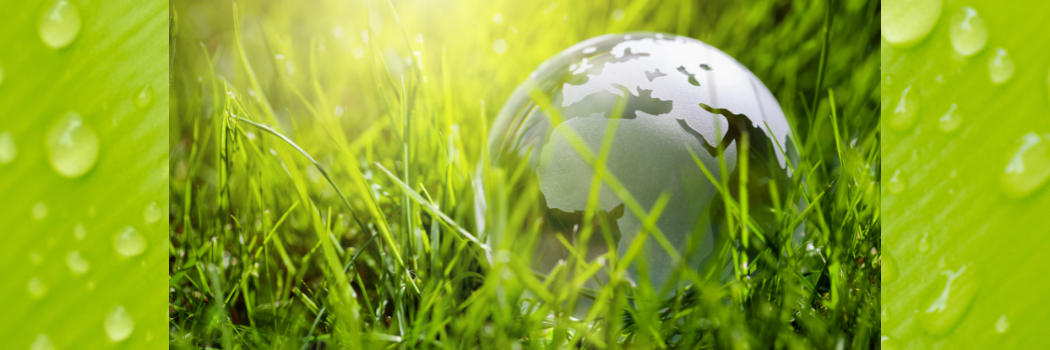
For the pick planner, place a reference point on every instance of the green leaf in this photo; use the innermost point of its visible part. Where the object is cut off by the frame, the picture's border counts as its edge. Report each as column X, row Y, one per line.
column 948, row 210
column 113, row 74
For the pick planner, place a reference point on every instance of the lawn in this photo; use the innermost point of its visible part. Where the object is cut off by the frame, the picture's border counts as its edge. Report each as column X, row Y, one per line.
column 323, row 162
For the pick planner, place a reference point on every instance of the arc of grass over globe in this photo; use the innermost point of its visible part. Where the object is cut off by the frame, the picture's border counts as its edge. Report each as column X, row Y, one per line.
column 585, row 270
column 610, row 179
column 732, row 205
column 588, row 156
column 386, row 235
column 592, row 195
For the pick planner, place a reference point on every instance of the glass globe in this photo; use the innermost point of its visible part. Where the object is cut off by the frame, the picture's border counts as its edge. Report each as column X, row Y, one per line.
column 656, row 100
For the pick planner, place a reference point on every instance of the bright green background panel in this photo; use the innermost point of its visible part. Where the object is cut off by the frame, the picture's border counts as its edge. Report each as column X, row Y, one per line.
column 949, row 187
column 120, row 49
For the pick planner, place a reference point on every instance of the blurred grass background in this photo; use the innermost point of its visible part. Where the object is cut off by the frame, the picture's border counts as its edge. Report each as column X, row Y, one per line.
column 61, row 275
column 265, row 253
column 948, row 207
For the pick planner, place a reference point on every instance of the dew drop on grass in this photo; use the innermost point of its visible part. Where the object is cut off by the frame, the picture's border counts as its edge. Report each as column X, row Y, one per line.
column 950, row 120
column 1000, row 67
column 152, row 213
column 42, row 342
column 1002, row 325
column 968, row 33
column 8, row 151
column 925, row 242
column 76, row 263
column 905, row 111
column 119, row 324
column 947, row 301
column 59, row 24
column 72, row 146
column 36, row 287
column 1029, row 166
column 897, row 183
column 889, row 268
column 128, row 242
column 35, row 258
column 79, row 232
column 39, row 211
column 144, row 97
column 907, row 22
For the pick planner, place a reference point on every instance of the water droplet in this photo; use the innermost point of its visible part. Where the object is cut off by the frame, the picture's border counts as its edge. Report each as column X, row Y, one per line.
column 39, row 211
column 497, row 18
column 91, row 285
column 906, row 110
column 1029, row 167
column 152, row 213
column 925, row 242
column 7, row 147
column 1002, row 325
column 72, row 146
column 618, row 15
column 119, row 324
column 128, row 242
column 42, row 342
column 1000, row 67
column 968, row 32
column 951, row 120
column 907, row 22
column 889, row 268
column 59, row 24
column 947, row 301
column 500, row 46
column 35, row 258
column 1, row 74
column 79, row 232
column 897, row 183
column 37, row 288
column 76, row 263
column 145, row 97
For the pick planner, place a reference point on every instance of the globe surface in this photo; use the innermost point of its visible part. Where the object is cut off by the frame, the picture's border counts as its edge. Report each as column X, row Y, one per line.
column 660, row 99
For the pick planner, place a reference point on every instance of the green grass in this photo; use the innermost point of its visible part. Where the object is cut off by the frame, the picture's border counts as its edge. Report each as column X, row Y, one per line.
column 954, row 210
column 118, row 52
column 323, row 192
